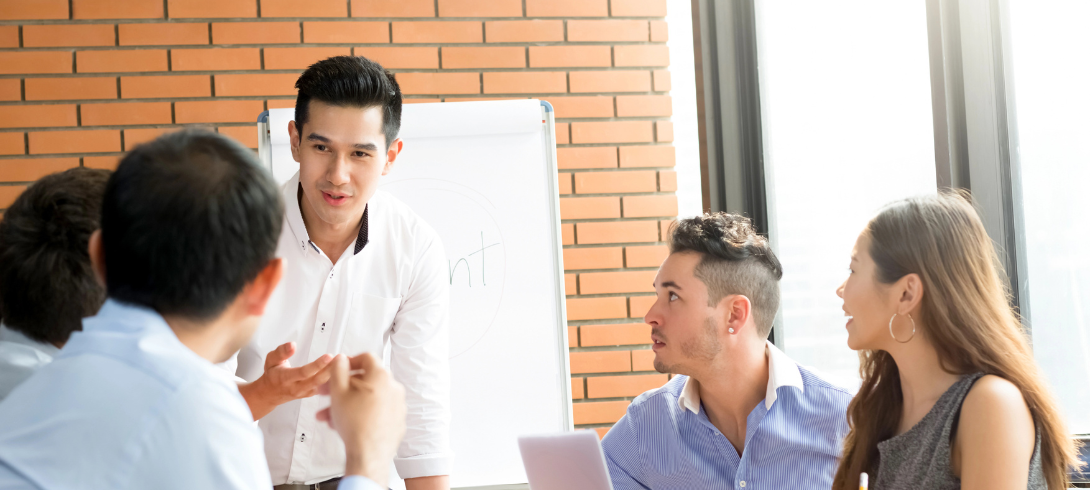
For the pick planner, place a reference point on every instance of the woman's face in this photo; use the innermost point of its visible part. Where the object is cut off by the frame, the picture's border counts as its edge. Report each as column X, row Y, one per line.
column 867, row 302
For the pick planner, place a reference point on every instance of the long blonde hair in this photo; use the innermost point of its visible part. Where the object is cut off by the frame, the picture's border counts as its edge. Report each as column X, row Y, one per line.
column 967, row 316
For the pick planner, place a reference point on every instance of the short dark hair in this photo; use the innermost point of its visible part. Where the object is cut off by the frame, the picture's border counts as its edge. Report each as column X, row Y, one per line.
column 47, row 285
column 351, row 81
column 187, row 221
column 734, row 260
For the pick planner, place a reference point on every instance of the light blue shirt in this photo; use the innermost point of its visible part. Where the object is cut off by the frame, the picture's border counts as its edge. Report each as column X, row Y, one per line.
column 793, row 438
column 20, row 356
column 126, row 405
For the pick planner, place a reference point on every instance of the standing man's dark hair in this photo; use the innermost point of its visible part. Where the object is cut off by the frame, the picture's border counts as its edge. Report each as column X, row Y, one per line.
column 351, row 81
column 188, row 220
column 47, row 285
column 734, row 260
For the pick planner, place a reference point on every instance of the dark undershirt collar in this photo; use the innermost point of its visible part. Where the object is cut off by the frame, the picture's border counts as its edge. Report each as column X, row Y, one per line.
column 361, row 239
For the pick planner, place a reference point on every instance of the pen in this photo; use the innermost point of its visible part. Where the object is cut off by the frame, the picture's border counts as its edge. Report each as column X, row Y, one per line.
column 863, row 483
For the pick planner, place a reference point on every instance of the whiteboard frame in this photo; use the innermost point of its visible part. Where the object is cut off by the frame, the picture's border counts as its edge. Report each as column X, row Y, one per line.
column 264, row 152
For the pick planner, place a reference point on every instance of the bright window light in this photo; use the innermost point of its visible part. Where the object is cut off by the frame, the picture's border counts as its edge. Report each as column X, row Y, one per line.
column 1051, row 49
column 846, row 107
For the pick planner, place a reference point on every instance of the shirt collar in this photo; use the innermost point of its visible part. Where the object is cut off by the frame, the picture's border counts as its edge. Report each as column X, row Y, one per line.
column 121, row 316
column 8, row 334
column 294, row 215
column 782, row 371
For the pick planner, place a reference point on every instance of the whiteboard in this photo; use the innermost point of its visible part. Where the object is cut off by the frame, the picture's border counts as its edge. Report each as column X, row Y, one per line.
column 483, row 175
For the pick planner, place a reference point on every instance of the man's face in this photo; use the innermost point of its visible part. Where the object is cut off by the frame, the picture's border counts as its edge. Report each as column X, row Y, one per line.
column 342, row 152
column 684, row 329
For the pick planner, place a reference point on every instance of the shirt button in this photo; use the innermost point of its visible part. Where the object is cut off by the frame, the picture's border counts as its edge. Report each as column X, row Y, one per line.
column 742, row 484
column 303, row 438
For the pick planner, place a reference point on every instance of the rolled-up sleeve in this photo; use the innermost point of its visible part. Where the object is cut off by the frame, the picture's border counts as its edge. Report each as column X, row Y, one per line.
column 420, row 360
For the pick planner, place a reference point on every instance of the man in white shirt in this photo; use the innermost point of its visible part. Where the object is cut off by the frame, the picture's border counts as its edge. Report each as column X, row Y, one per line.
column 363, row 273
column 186, row 252
column 46, row 283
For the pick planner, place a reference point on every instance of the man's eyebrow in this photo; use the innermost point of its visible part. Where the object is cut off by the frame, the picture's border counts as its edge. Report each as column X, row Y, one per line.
column 670, row 284
column 359, row 146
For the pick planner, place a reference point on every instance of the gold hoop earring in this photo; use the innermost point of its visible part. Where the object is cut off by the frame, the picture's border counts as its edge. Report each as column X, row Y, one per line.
column 895, row 337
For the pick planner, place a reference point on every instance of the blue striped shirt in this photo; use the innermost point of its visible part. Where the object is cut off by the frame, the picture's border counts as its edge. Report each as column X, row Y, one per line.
column 793, row 437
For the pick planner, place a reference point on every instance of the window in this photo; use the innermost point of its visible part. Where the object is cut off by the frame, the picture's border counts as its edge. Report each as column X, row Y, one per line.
column 846, row 110
column 1050, row 48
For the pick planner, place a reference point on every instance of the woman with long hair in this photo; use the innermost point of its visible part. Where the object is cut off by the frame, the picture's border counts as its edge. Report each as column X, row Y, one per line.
column 951, row 396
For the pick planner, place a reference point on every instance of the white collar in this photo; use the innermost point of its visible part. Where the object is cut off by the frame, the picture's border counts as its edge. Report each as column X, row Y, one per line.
column 17, row 337
column 782, row 371
column 292, row 213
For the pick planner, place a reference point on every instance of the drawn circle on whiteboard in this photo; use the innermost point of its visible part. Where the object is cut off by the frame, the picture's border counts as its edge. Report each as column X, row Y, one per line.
column 476, row 260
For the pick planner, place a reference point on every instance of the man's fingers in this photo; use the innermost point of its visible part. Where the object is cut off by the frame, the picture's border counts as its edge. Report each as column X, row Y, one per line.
column 324, row 415
column 364, row 361
column 311, row 369
column 338, row 376
column 279, row 355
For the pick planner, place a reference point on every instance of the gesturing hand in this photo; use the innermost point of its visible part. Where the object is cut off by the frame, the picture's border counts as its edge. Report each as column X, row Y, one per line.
column 282, row 383
column 368, row 411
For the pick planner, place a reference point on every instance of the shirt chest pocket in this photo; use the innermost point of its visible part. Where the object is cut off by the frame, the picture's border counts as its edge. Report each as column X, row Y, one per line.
column 369, row 318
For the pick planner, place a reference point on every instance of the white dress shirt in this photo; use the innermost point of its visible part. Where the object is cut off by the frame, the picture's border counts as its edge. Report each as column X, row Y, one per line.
column 20, row 356
column 126, row 405
column 387, row 295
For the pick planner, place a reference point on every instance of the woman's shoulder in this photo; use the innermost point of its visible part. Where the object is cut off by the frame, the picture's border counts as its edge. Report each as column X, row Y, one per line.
column 995, row 412
column 993, row 394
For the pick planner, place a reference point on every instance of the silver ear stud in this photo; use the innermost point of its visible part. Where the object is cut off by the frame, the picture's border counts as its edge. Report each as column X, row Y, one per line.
column 731, row 330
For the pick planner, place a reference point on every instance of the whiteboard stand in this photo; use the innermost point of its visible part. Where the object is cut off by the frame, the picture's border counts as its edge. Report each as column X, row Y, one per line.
column 426, row 126
column 264, row 145
column 553, row 177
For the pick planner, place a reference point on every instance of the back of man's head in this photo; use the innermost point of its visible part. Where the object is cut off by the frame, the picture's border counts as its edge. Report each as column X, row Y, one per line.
column 734, row 260
column 187, row 221
column 47, row 285
column 350, row 81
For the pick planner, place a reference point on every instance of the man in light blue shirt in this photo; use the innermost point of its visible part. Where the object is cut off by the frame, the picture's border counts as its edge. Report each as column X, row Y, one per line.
column 186, row 251
column 738, row 413
column 47, row 287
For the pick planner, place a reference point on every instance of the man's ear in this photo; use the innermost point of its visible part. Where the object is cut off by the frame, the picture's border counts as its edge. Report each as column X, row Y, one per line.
column 737, row 310
column 98, row 257
column 261, row 288
column 391, row 155
column 296, row 139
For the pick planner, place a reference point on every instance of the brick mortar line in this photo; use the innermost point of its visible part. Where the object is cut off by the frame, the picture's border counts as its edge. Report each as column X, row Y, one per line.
column 48, row 129
column 532, row 44
column 611, row 220
column 607, row 321
column 618, row 244
column 621, row 220
column 610, row 399
column 249, row 123
column 606, row 374
column 612, row 269
column 235, row 20
column 614, row 169
column 613, row 347
column 607, row 295
column 615, row 295
column 595, row 245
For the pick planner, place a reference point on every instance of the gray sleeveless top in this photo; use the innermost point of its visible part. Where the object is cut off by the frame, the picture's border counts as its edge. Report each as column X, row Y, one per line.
column 920, row 458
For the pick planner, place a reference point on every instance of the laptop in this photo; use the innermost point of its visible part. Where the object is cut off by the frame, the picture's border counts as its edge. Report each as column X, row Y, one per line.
column 565, row 461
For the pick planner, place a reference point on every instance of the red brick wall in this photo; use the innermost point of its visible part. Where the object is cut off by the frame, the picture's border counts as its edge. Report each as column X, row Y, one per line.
column 81, row 81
